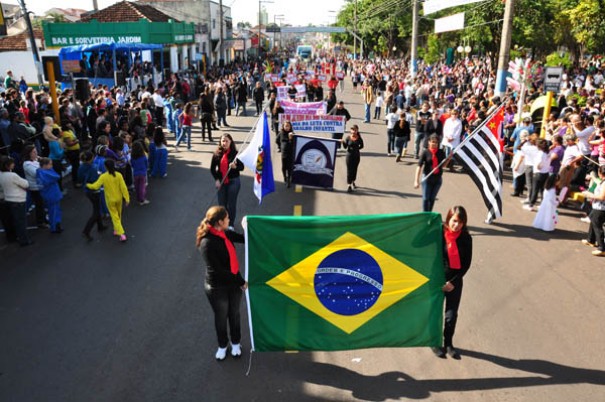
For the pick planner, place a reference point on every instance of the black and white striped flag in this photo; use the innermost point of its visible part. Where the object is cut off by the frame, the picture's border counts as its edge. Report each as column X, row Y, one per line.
column 481, row 155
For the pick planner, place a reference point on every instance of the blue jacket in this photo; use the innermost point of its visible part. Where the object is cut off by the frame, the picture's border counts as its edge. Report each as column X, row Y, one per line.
column 48, row 180
column 139, row 166
column 87, row 173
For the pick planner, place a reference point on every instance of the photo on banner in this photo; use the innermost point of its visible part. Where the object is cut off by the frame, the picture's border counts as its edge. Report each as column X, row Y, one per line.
column 314, row 161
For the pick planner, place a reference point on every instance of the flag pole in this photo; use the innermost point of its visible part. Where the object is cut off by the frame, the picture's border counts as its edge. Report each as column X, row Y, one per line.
column 465, row 140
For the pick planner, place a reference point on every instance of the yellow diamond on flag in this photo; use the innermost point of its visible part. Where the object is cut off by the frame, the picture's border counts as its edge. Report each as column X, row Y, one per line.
column 348, row 282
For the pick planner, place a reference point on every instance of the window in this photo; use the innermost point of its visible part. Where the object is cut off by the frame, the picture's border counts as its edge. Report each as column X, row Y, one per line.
column 213, row 23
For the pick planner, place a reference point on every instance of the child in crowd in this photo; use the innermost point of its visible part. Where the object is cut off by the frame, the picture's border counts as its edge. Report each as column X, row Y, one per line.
column 48, row 181
column 139, row 169
column 158, row 154
column 378, row 105
column 87, row 173
column 176, row 120
column 115, row 192
column 185, row 120
column 548, row 216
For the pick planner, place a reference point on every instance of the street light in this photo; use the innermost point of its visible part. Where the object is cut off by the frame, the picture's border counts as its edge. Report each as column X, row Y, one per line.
column 275, row 17
column 259, row 3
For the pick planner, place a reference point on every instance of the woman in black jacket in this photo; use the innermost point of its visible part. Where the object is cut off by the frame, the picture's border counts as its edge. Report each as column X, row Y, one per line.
column 225, row 168
column 401, row 132
column 457, row 256
column 353, row 143
column 286, row 141
column 432, row 175
column 223, row 283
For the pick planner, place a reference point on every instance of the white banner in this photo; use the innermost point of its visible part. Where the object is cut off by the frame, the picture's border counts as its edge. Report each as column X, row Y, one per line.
column 432, row 6
column 449, row 23
column 312, row 123
column 282, row 92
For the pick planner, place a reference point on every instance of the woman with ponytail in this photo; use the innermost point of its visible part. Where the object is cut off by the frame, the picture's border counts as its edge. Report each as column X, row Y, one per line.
column 115, row 191
column 457, row 257
column 223, row 283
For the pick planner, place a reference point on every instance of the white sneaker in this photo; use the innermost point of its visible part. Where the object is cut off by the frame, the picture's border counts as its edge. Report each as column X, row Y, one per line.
column 221, row 353
column 525, row 201
column 236, row 350
column 528, row 207
column 585, row 219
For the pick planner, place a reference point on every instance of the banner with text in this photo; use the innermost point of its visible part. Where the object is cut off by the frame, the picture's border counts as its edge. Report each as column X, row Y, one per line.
column 450, row 23
column 313, row 123
column 282, row 92
column 314, row 108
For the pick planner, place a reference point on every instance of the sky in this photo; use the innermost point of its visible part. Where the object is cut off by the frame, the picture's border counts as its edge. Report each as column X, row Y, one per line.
column 317, row 12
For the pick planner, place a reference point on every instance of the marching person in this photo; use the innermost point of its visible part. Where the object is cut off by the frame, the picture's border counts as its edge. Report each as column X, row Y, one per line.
column 225, row 168
column 430, row 159
column 457, row 256
column 286, row 138
column 353, row 143
column 223, row 283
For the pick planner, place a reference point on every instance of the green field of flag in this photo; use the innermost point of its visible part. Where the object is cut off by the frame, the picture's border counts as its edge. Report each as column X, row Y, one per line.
column 344, row 282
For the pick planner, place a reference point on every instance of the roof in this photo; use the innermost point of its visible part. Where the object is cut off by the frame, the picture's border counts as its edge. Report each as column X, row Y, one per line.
column 126, row 11
column 70, row 14
column 19, row 41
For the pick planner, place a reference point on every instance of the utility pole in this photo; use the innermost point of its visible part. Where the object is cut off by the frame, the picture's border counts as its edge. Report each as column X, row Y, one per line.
column 32, row 42
column 414, row 49
column 355, row 31
column 221, row 55
column 504, row 55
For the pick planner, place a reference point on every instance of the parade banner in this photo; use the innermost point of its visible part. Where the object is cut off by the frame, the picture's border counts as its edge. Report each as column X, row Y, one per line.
column 272, row 77
column 291, row 78
column 322, row 77
column 432, row 6
column 314, row 161
column 316, row 108
column 314, row 123
column 450, row 23
column 344, row 282
column 340, row 75
column 282, row 92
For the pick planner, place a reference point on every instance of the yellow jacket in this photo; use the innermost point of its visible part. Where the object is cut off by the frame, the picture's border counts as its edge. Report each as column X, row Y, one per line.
column 115, row 188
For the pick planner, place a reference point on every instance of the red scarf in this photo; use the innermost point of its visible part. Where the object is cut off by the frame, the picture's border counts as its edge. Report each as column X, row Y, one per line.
column 435, row 160
column 224, row 166
column 232, row 256
column 452, row 248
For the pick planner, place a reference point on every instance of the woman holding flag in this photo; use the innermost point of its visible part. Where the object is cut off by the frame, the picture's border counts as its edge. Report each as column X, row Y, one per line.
column 457, row 257
column 225, row 169
column 223, row 283
column 429, row 165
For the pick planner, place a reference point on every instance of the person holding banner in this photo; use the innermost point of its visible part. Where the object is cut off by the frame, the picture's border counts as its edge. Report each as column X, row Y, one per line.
column 340, row 111
column 457, row 257
column 429, row 166
column 223, row 282
column 353, row 143
column 225, row 168
column 286, row 139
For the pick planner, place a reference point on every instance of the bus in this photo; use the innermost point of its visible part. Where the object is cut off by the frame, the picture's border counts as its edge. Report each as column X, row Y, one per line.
column 304, row 51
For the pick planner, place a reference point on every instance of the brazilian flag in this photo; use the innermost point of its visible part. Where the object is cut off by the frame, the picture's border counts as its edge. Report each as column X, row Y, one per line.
column 344, row 282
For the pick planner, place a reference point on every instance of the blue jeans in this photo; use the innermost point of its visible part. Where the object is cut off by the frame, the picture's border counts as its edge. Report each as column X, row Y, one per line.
column 227, row 197
column 418, row 139
column 430, row 188
column 400, row 144
column 390, row 140
column 186, row 130
column 367, row 110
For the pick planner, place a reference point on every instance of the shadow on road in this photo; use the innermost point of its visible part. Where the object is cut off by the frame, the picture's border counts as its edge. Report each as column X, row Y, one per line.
column 523, row 231
column 397, row 385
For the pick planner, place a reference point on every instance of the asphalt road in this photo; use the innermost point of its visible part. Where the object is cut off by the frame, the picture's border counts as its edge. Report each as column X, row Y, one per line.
column 105, row 321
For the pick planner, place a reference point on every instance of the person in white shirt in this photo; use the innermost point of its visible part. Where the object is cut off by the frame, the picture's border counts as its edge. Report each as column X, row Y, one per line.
column 378, row 105
column 452, row 132
column 541, row 169
column 392, row 118
column 14, row 188
column 158, row 102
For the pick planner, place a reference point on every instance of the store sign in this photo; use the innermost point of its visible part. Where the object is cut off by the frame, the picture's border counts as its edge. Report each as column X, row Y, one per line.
column 91, row 40
column 183, row 38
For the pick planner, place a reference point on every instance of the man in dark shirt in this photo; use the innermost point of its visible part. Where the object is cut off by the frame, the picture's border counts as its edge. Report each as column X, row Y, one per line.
column 340, row 111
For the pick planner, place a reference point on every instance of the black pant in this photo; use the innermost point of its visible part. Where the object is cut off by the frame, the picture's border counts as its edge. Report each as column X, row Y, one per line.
column 95, row 199
column 6, row 219
column 74, row 160
column 225, row 302
column 39, row 203
column 452, row 302
column 595, row 232
column 537, row 187
column 19, row 216
column 352, row 160
column 206, row 122
column 259, row 105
